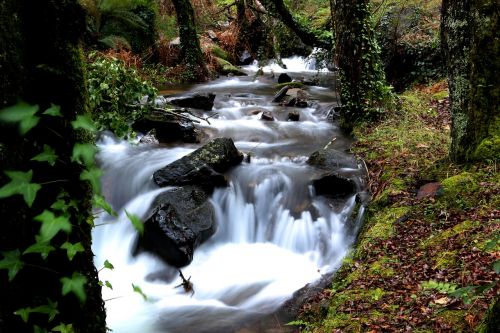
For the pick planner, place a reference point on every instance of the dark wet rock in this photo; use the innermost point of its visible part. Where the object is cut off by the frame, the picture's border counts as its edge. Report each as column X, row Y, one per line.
column 295, row 97
column 267, row 115
column 294, row 116
column 167, row 128
column 245, row 58
column 284, row 78
column 281, row 94
column 335, row 186
column 331, row 160
column 430, row 190
column 180, row 221
column 196, row 101
column 202, row 167
column 150, row 138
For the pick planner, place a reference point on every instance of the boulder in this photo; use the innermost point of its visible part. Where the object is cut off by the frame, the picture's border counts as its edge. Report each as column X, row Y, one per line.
column 202, row 167
column 196, row 101
column 150, row 138
column 280, row 94
column 430, row 190
column 224, row 67
column 245, row 58
column 294, row 116
column 331, row 160
column 284, row 78
column 295, row 97
column 167, row 128
column 181, row 220
column 335, row 186
column 267, row 115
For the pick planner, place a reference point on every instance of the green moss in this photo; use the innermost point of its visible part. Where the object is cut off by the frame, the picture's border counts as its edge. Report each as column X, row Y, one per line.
column 219, row 53
column 290, row 84
column 383, row 227
column 454, row 318
column 446, row 259
column 441, row 95
column 225, row 68
column 460, row 189
column 382, row 267
column 436, row 239
column 489, row 148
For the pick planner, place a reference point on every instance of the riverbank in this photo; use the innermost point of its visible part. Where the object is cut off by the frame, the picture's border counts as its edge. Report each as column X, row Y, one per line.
column 431, row 229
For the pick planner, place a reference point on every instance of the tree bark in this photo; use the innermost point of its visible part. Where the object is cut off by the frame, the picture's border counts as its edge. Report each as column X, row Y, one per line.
column 42, row 63
column 190, row 45
column 471, row 44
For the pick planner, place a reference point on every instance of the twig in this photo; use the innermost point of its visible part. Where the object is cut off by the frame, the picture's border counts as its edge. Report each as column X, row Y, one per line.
column 175, row 114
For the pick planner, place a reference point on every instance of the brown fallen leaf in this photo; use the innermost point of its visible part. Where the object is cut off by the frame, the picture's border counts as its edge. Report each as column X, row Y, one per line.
column 442, row 301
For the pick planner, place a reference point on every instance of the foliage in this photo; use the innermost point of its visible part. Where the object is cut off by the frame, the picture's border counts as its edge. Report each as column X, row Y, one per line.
column 116, row 94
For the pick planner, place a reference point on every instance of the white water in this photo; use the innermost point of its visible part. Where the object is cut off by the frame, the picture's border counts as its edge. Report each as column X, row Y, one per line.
column 273, row 236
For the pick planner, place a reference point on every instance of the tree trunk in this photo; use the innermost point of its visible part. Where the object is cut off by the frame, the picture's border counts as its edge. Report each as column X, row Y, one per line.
column 364, row 92
column 41, row 62
column 471, row 43
column 190, row 44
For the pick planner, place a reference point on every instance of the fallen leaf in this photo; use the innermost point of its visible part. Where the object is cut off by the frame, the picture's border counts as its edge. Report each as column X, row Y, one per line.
column 442, row 301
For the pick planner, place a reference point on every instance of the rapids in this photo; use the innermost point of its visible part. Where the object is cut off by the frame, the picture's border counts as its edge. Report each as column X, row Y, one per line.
column 274, row 236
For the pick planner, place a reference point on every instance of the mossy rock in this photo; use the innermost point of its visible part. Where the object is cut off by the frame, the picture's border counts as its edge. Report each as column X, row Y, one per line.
column 446, row 259
column 218, row 52
column 291, row 85
column 439, row 238
column 461, row 185
column 225, row 67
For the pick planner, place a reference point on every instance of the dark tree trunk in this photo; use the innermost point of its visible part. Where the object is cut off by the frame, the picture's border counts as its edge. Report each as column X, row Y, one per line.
column 190, row 45
column 364, row 92
column 471, row 43
column 41, row 62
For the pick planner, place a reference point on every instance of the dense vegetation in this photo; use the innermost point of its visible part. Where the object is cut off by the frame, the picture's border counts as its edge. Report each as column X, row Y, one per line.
column 419, row 92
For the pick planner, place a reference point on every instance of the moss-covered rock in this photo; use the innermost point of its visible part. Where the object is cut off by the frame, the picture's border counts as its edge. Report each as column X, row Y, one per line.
column 225, row 67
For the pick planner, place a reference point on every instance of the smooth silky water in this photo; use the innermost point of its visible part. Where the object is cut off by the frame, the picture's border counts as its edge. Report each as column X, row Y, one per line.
column 274, row 236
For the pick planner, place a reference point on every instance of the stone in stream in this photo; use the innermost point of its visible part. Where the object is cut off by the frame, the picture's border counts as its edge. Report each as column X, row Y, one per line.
column 295, row 97
column 267, row 116
column 202, row 167
column 280, row 95
column 284, row 78
column 332, row 160
column 293, row 116
column 202, row 101
column 167, row 128
column 182, row 219
column 335, row 186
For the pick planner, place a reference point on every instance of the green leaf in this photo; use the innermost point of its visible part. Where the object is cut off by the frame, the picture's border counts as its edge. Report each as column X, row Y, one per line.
column 48, row 155
column 83, row 122
column 51, row 225
column 43, row 248
column 93, row 176
column 37, row 329
column 108, row 265
column 54, row 111
column 59, row 205
column 108, row 285
column 12, row 262
column 23, row 313
column 49, row 309
column 21, row 113
column 496, row 266
column 72, row 249
column 75, row 285
column 136, row 222
column 63, row 328
column 20, row 184
column 99, row 201
column 138, row 290
column 84, row 153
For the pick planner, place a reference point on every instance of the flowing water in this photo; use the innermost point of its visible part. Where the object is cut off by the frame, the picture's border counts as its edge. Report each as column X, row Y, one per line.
column 274, row 236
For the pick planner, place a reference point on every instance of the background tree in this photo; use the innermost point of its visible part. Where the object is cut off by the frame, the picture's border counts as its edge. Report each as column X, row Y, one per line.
column 47, row 276
column 470, row 38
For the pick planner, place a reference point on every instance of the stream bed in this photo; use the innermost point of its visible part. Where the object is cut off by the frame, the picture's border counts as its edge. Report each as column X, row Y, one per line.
column 274, row 235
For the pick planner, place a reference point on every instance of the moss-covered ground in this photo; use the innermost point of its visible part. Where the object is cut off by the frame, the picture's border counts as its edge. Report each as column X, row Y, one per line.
column 412, row 253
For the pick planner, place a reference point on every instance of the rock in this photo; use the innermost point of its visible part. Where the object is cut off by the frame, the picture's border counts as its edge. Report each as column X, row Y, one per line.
column 196, row 101
column 331, row 160
column 175, row 42
column 180, row 221
column 224, row 67
column 260, row 72
column 167, row 128
column 284, row 78
column 429, row 190
column 335, row 186
column 294, row 116
column 267, row 115
column 281, row 94
column 150, row 138
column 245, row 58
column 212, row 35
column 202, row 167
column 295, row 97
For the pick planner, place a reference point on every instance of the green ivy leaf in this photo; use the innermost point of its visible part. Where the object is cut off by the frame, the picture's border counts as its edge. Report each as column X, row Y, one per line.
column 136, row 222
column 72, row 249
column 99, row 201
column 108, row 265
column 49, row 309
column 21, row 113
column 37, row 329
column 54, row 111
column 75, row 285
column 59, row 205
column 51, row 225
column 48, row 155
column 93, row 176
column 108, row 285
column 20, row 184
column 138, row 290
column 43, row 248
column 63, row 328
column 23, row 313
column 84, row 153
column 83, row 122
column 12, row 262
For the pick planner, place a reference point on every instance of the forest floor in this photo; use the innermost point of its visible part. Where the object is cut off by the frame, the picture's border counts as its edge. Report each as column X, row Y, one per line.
column 424, row 260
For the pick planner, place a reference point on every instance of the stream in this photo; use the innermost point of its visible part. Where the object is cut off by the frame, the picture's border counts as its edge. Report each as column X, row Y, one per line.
column 274, row 235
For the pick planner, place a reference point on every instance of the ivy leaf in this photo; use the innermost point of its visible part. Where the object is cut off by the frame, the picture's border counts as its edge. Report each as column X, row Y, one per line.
column 48, row 155
column 51, row 225
column 59, row 205
column 99, row 201
column 138, row 290
column 83, row 122
column 108, row 265
column 49, row 309
column 136, row 222
column 496, row 266
column 20, row 184
column 21, row 113
column 37, row 329
column 54, row 111
column 84, row 153
column 93, row 176
column 63, row 328
column 108, row 285
column 75, row 285
column 12, row 262
column 23, row 313
column 43, row 248
column 72, row 249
